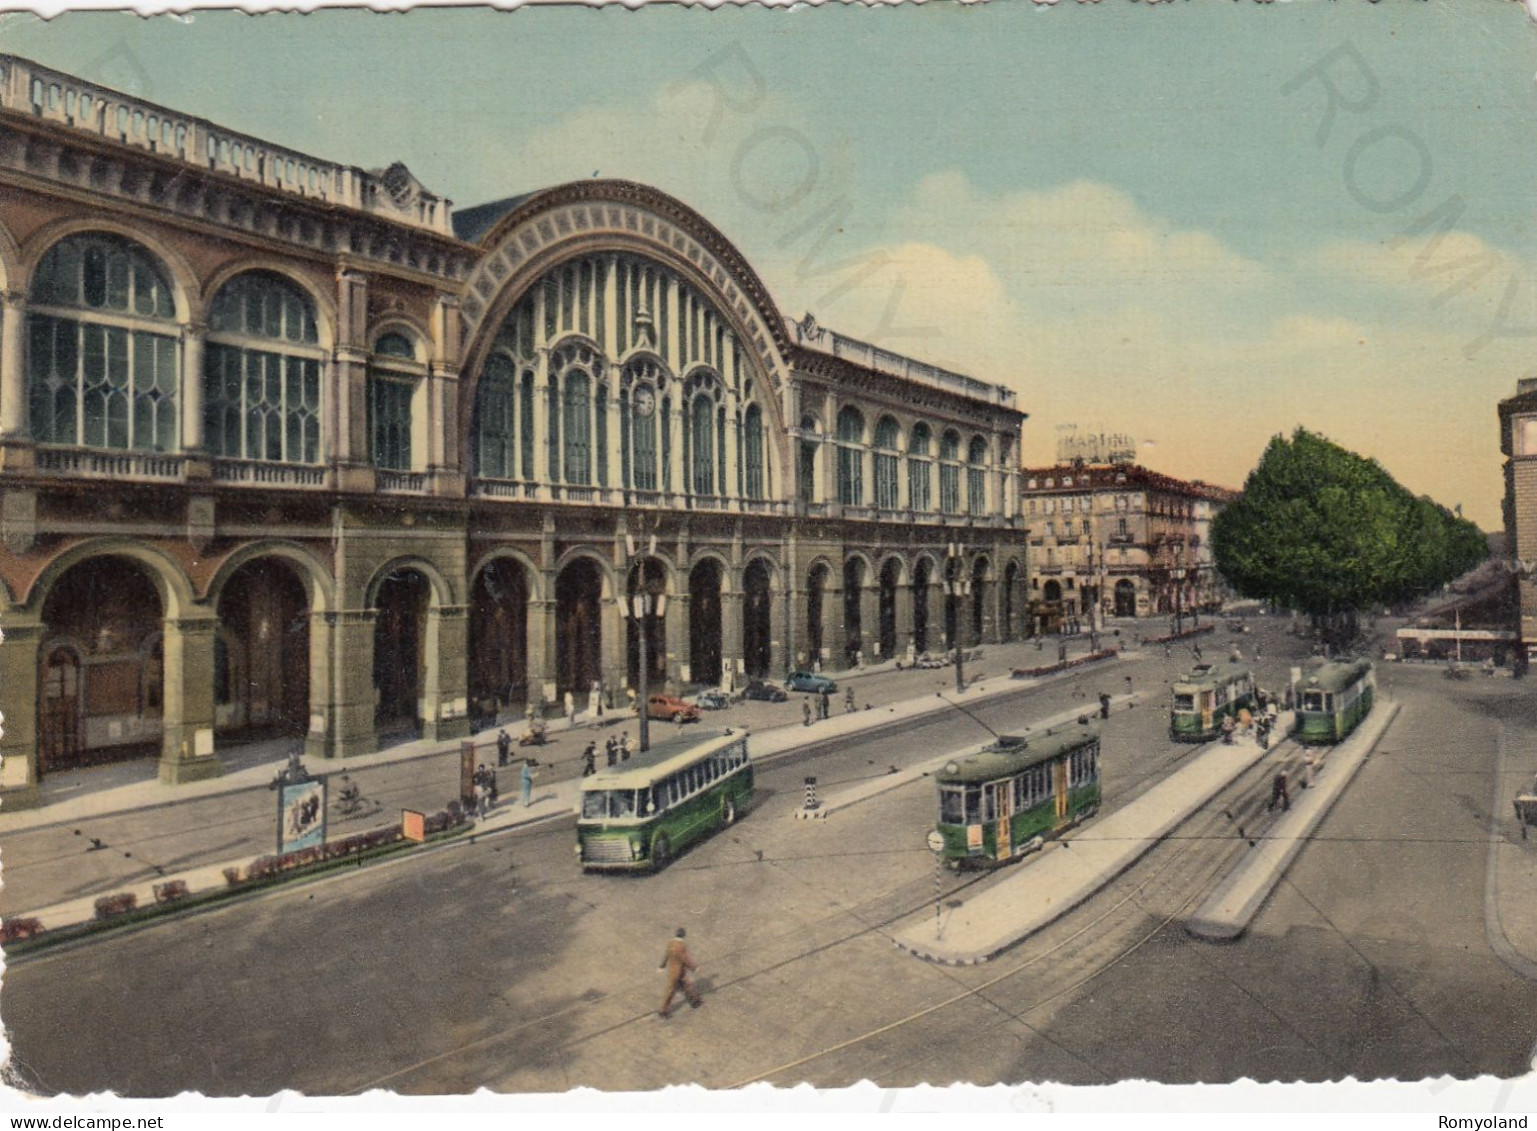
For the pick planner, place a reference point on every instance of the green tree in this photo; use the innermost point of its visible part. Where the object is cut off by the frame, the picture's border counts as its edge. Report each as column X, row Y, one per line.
column 1328, row 532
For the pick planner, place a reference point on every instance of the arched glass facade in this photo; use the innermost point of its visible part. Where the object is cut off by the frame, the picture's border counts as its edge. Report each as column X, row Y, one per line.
column 261, row 370
column 103, row 368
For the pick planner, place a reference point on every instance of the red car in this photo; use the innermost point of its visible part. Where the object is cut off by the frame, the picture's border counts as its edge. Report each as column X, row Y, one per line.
column 672, row 708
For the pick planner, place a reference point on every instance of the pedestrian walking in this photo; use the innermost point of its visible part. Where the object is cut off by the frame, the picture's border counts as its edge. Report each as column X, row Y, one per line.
column 1104, row 705
column 624, row 746
column 1279, row 792
column 610, row 750
column 1168, row 651
column 1062, row 651
column 1309, row 767
column 1227, row 730
column 679, row 963
column 827, row 705
column 595, row 700
column 806, row 711
column 526, row 779
column 590, row 760
column 482, row 801
column 503, row 749
column 1196, row 651
column 848, row 699
column 571, row 708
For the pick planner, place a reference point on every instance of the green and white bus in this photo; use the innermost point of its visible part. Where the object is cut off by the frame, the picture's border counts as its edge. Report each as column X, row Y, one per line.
column 639, row 814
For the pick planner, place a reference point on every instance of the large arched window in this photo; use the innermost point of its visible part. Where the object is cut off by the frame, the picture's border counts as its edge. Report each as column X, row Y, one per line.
column 394, row 384
column 262, row 372
column 577, row 427
column 705, row 439
column 702, row 438
column 918, row 474
column 496, row 413
column 851, row 437
column 976, row 476
column 102, row 359
column 752, row 451
column 950, row 473
column 886, row 433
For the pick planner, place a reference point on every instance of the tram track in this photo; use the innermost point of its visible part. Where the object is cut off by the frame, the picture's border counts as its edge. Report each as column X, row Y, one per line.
column 1158, row 888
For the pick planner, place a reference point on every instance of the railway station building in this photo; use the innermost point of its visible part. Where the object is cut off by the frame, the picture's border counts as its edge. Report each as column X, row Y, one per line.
column 292, row 448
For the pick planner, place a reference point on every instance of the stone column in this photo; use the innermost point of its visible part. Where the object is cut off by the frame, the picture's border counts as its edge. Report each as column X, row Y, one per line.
column 834, row 630
column 541, row 648
column 543, row 472
column 677, row 473
column 320, row 732
column 615, row 456
column 18, row 746
column 192, row 342
column 13, row 367
column 904, row 617
column 348, row 439
column 353, row 700
column 445, row 686
column 781, row 617
column 187, row 649
column 677, row 636
column 615, row 628
column 870, row 621
column 731, row 606
column 728, row 489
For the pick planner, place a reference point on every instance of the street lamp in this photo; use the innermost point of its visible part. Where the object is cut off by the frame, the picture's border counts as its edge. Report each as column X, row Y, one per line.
column 641, row 606
column 957, row 586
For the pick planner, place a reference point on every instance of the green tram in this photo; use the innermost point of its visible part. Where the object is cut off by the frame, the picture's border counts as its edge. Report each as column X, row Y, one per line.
column 1002, row 801
column 1333, row 700
column 1210, row 693
column 639, row 814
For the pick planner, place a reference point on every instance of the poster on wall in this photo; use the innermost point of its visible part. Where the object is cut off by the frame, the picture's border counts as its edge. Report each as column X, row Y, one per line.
column 301, row 814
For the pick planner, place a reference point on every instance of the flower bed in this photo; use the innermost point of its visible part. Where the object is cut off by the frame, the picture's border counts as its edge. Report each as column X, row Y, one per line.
column 13, row 929
column 1076, row 662
column 120, row 904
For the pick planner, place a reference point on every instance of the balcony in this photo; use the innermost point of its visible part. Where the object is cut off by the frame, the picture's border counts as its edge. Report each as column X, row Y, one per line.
column 86, row 463
column 504, row 489
column 401, row 482
column 263, row 474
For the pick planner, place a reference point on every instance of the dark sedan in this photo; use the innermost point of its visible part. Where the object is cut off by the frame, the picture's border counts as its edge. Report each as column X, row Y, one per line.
column 764, row 691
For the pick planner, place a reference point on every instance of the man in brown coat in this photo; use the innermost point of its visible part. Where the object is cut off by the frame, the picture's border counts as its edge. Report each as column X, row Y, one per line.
column 679, row 962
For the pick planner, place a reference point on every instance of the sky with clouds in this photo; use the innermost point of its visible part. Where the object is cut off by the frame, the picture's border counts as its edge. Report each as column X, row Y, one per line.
column 1201, row 223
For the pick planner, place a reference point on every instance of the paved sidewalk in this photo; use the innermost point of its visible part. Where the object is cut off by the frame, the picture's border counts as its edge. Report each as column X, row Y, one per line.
column 551, row 798
column 1235, row 901
column 1060, row 879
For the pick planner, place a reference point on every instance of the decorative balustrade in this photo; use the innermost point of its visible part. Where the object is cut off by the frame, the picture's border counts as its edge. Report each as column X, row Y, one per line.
column 54, row 96
column 898, row 365
column 400, row 481
column 90, row 464
column 268, row 474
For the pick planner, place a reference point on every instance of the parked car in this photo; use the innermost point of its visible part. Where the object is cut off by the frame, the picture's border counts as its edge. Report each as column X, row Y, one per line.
column 711, row 700
column 764, row 691
column 671, row 707
column 810, row 681
column 929, row 660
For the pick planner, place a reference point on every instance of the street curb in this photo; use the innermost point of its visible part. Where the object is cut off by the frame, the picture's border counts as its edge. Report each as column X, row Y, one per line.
column 1230, row 909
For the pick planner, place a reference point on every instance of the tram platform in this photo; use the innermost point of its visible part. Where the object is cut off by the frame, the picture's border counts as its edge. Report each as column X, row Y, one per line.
column 1237, row 899
column 1069, row 871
